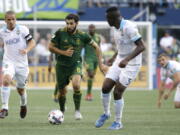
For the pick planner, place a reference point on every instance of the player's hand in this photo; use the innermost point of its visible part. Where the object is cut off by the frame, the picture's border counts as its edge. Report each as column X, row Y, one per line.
column 123, row 63
column 69, row 52
column 110, row 61
column 23, row 51
column 104, row 68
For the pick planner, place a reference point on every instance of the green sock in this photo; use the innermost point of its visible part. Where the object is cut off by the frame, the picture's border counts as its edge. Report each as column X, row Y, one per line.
column 90, row 82
column 62, row 101
column 77, row 99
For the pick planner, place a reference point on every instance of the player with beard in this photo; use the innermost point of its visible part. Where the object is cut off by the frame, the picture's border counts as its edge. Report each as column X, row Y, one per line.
column 67, row 44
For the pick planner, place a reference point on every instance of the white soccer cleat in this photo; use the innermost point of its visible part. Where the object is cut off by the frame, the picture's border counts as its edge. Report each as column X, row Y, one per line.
column 78, row 115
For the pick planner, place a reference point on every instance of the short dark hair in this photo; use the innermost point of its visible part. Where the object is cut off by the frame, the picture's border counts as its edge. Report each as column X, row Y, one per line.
column 10, row 12
column 112, row 9
column 75, row 17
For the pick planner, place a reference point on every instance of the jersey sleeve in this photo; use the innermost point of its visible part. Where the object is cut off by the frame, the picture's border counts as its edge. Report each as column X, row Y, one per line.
column 55, row 37
column 87, row 39
column 133, row 33
column 26, row 33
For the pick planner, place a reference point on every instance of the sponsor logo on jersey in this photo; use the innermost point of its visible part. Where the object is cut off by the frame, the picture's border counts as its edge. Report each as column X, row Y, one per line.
column 12, row 41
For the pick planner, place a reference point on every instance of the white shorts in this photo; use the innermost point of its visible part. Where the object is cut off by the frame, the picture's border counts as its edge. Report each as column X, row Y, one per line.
column 20, row 74
column 122, row 75
column 177, row 94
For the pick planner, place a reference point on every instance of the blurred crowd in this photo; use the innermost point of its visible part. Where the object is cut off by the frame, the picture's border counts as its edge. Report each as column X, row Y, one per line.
column 170, row 45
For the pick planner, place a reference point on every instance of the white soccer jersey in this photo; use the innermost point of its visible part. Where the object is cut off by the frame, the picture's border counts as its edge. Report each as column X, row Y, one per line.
column 171, row 68
column 14, row 41
column 125, row 41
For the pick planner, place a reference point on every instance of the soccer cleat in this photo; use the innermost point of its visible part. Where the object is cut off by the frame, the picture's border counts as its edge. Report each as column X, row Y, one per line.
column 100, row 122
column 89, row 97
column 23, row 111
column 77, row 115
column 115, row 126
column 3, row 113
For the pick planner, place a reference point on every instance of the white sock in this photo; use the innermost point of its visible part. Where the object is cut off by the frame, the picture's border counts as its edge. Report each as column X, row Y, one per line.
column 106, row 98
column 5, row 93
column 118, row 105
column 23, row 100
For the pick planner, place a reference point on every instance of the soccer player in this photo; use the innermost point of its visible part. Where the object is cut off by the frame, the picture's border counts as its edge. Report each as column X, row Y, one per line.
column 67, row 44
column 91, row 61
column 17, row 43
column 124, row 69
column 169, row 69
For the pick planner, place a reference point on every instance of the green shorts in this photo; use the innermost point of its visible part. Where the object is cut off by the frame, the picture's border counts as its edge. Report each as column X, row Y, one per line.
column 91, row 64
column 64, row 74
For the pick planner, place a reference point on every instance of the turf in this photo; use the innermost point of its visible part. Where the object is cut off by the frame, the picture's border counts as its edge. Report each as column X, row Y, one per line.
column 140, row 117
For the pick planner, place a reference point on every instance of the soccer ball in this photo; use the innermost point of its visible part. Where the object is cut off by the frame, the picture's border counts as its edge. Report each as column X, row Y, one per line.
column 55, row 117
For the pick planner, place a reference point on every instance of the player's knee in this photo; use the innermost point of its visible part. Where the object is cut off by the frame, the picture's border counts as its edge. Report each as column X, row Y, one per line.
column 76, row 87
column 63, row 92
column 106, row 89
column 6, row 81
column 20, row 91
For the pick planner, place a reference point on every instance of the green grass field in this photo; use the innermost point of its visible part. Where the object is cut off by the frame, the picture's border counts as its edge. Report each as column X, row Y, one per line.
column 140, row 117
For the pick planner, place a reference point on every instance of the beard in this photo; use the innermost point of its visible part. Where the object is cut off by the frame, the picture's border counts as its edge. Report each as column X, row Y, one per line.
column 71, row 30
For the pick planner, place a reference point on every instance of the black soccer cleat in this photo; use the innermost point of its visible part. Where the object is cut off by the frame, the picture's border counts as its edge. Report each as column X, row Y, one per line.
column 3, row 113
column 23, row 111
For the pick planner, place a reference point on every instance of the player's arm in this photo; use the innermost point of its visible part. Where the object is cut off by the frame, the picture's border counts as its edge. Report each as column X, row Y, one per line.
column 111, row 60
column 176, row 78
column 140, row 47
column 161, row 93
column 102, row 67
column 69, row 52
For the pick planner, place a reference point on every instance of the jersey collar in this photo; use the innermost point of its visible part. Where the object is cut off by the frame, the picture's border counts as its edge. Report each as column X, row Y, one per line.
column 7, row 30
column 122, row 23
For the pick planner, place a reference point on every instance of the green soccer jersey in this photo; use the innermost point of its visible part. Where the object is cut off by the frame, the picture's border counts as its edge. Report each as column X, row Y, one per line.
column 90, row 52
column 63, row 40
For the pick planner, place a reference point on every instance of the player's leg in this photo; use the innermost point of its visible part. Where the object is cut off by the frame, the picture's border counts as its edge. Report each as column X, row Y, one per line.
column 21, row 79
column 118, row 106
column 62, row 77
column 56, row 94
column 91, row 73
column 177, row 97
column 76, row 81
column 126, row 76
column 62, row 99
column 108, row 84
column 8, row 73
